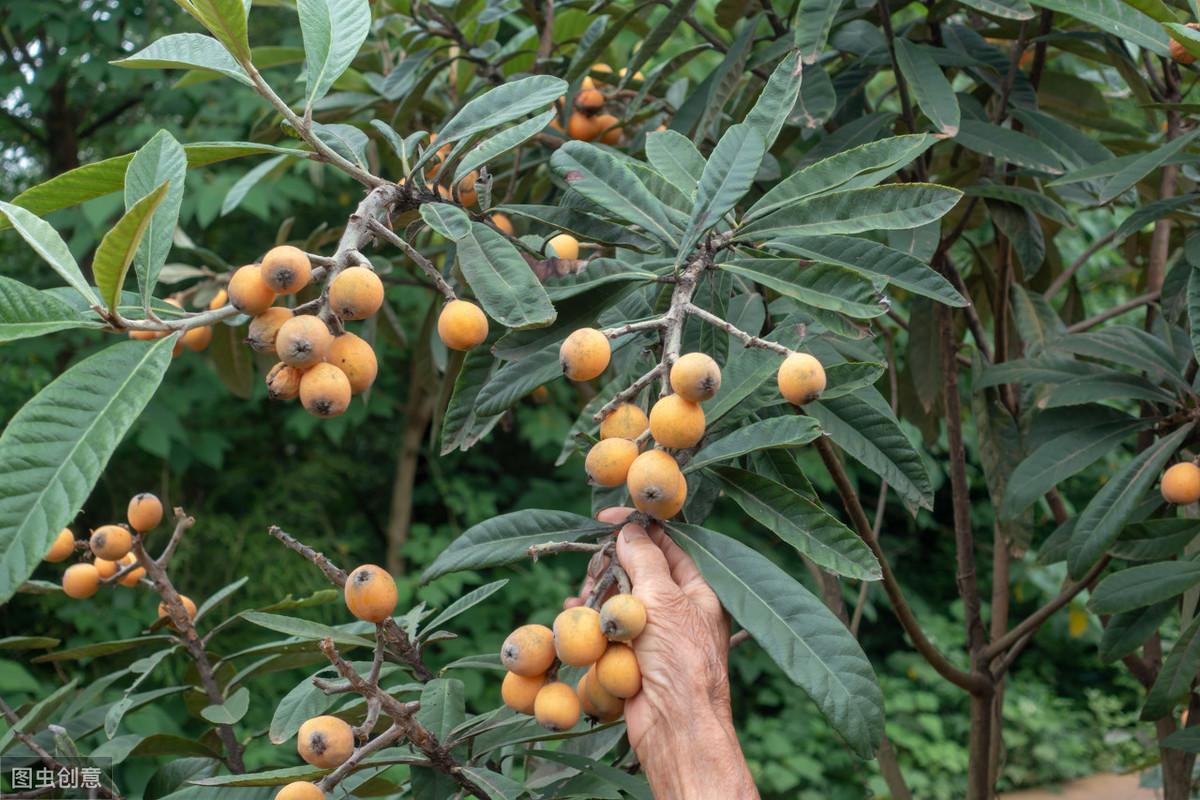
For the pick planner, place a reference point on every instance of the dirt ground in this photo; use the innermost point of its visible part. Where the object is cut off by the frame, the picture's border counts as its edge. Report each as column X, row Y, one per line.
column 1097, row 787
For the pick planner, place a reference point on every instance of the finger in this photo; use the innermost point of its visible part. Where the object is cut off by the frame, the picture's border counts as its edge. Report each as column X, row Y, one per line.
column 646, row 565
column 683, row 569
column 614, row 515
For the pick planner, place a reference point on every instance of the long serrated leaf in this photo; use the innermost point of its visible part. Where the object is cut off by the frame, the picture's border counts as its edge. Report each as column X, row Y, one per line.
column 789, row 431
column 225, row 19
column 46, row 242
column 1143, row 165
column 117, row 248
column 186, row 51
column 1176, row 675
column 892, row 207
column 727, row 177
column 1128, row 630
column 333, row 31
column 820, row 285
column 27, row 312
column 774, row 106
column 500, row 143
column 1005, row 144
column 161, row 159
column 1117, row 18
column 502, row 281
column 499, row 106
column 933, row 93
column 467, row 601
column 813, row 20
column 676, row 158
column 304, row 629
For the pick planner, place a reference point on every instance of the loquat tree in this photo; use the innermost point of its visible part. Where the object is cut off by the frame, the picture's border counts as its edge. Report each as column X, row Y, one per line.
column 818, row 267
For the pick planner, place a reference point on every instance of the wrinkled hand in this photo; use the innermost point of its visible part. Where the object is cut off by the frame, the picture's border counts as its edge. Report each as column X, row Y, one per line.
column 680, row 724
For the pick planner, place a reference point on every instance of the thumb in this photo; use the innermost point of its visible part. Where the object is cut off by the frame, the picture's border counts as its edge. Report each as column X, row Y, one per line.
column 645, row 564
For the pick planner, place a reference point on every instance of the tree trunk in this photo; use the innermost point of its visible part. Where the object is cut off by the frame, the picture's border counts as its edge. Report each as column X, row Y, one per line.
column 1176, row 764
column 979, row 747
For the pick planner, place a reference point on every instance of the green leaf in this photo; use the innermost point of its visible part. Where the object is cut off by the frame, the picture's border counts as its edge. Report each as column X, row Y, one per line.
column 1100, row 523
column 55, row 448
column 447, row 219
column 1142, row 585
column 850, row 376
column 812, row 23
column 1128, row 630
column 583, row 225
column 304, row 629
column 119, row 245
column 499, row 106
column 800, row 522
column 1005, row 9
column 892, row 207
column 99, row 649
column 333, row 31
column 499, row 144
column 160, row 160
column 727, row 177
column 874, row 437
column 186, row 51
column 346, row 140
column 874, row 260
column 858, row 167
column 495, row 785
column 1155, row 539
column 608, row 182
column 28, row 643
column 46, row 242
column 1116, row 18
column 929, row 86
column 1125, row 344
column 302, row 703
column 821, row 285
column 1061, row 457
column 214, row 599
column 812, row 646
column 1152, row 212
column 1143, row 165
column 243, row 185
column 462, row 425
column 516, row 379
column 773, row 107
column 225, row 19
column 502, row 281
column 26, row 312
column 675, row 158
column 508, row 537
column 1027, row 198
column 1175, row 678
column 1005, row 144
column 789, row 431
column 231, row 711
column 1106, row 385
column 467, row 601
column 1186, row 739
column 38, row 714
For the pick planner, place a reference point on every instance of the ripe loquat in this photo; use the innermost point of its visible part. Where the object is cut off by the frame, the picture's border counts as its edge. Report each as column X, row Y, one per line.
column 188, row 606
column 502, row 223
column 283, row 382
column 1181, row 484
column 105, row 568
column 597, row 702
column 132, row 577
column 325, row 741
column 353, row 356
column 564, row 245
column 111, row 542
column 582, row 127
column 356, row 293
column 371, row 593
column 578, row 639
column 528, row 651
column 80, row 581
column 62, row 547
column 462, row 325
column 248, row 292
column 656, row 484
column 265, row 328
column 1180, row 53
column 303, row 341
column 601, row 68
column 145, row 512
column 556, row 707
column 695, row 377
column 197, row 339
column 519, row 691
column 218, row 300
column 589, row 100
column 626, row 421
column 676, row 422
column 617, row 671
column 608, row 129
column 584, row 354
column 622, row 617
column 608, row 461
column 801, row 379
column 325, row 391
column 286, row 269
column 145, row 336
column 467, row 195
column 300, row 790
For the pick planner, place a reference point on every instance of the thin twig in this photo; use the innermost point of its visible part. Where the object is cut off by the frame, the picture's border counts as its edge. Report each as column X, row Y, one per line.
column 37, row 749
column 553, row 548
column 1115, row 311
column 421, row 261
column 733, row 330
column 1066, row 274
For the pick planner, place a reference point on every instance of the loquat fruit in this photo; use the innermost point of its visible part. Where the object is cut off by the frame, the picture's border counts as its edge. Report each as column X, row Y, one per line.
column 325, row 741
column 80, row 581
column 286, row 269
column 601, row 68
column 248, row 292
column 111, row 542
column 353, row 356
column 528, row 651
column 145, row 336
column 608, row 461
column 105, row 568
column 519, row 691
column 617, row 671
column 303, row 341
column 608, row 129
column 467, row 195
column 300, row 790
column 197, row 339
column 1180, row 53
column 264, row 328
column 1181, row 484
column 502, row 223
column 578, row 639
column 582, row 127
column 656, row 484
column 62, row 547
column 801, row 379
column 589, row 100
column 325, row 391
column 596, row 702
column 371, row 593
column 622, row 617
column 626, row 421
column 676, row 422
column 218, row 300
column 584, row 354
column 637, row 76
column 556, row 707
column 695, row 377
column 462, row 325
column 188, row 606
column 283, row 382
column 145, row 512
column 132, row 577
column 565, row 246
column 356, row 293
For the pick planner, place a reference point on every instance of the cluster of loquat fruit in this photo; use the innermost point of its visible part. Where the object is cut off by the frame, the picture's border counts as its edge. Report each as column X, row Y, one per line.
column 1181, row 484
column 581, row 637
column 589, row 121
column 111, row 548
